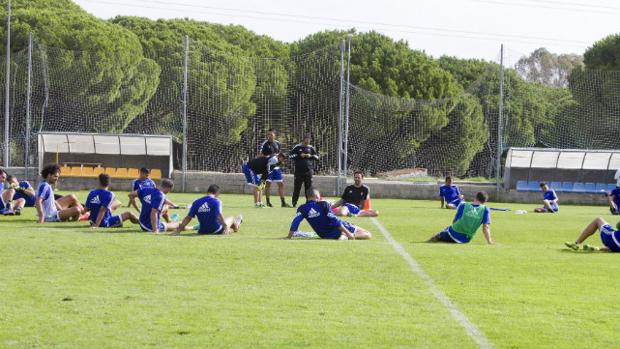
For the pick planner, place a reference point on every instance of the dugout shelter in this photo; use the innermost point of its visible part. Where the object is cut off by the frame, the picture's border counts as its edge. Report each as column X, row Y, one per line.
column 119, row 155
column 567, row 170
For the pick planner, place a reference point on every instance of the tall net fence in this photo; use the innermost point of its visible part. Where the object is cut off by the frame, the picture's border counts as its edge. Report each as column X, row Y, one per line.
column 233, row 99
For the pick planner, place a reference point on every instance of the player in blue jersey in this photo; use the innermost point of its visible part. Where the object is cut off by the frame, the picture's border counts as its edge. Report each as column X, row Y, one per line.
column 63, row 209
column 3, row 176
column 257, row 171
column 143, row 181
column 613, row 197
column 609, row 236
column 550, row 200
column 208, row 210
column 101, row 203
column 17, row 196
column 269, row 148
column 450, row 195
column 153, row 204
column 324, row 222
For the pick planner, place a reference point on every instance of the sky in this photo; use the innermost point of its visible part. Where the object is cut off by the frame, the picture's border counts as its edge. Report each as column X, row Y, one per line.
column 462, row 28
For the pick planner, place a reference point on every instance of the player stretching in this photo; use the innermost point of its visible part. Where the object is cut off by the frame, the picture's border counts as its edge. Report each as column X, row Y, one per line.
column 469, row 217
column 613, row 197
column 323, row 221
column 256, row 172
column 49, row 210
column 450, row 194
column 153, row 204
column 304, row 156
column 211, row 220
column 550, row 200
column 609, row 236
column 17, row 196
column 269, row 148
column 101, row 203
column 353, row 198
column 143, row 181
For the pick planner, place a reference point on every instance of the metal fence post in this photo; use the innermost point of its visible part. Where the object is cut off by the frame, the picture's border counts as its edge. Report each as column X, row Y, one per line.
column 185, row 88
column 498, row 163
column 340, row 118
column 347, row 112
column 7, row 89
column 28, row 96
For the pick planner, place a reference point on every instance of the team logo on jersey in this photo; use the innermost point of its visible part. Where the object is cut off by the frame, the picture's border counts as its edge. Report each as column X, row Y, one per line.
column 95, row 200
column 313, row 213
column 204, row 208
column 147, row 199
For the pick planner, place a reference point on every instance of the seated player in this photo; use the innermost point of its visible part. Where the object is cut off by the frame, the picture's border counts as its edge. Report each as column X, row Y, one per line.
column 3, row 176
column 257, row 171
column 450, row 194
column 63, row 209
column 101, row 203
column 323, row 221
column 153, row 203
column 609, row 236
column 613, row 197
column 211, row 220
column 550, row 200
column 352, row 201
column 469, row 217
column 17, row 196
column 143, row 181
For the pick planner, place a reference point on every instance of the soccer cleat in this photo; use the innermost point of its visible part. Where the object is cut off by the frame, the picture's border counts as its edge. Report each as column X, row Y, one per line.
column 286, row 205
column 269, row 204
column 573, row 246
column 590, row 248
column 303, row 235
column 8, row 212
column 85, row 217
column 343, row 237
column 18, row 212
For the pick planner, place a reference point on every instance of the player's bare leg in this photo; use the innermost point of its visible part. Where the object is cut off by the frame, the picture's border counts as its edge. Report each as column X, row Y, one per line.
column 268, row 193
column 130, row 216
column 362, row 234
column 368, row 213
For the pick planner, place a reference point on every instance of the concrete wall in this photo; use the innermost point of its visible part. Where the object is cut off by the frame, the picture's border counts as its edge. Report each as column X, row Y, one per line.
column 197, row 182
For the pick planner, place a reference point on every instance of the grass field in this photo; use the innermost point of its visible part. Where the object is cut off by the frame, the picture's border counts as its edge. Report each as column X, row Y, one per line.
column 65, row 286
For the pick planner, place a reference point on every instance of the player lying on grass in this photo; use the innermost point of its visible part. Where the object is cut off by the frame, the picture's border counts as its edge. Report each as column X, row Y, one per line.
column 609, row 236
column 323, row 221
column 17, row 196
column 101, row 203
column 450, row 195
column 63, row 209
column 143, row 181
column 469, row 217
column 353, row 198
column 269, row 148
column 613, row 197
column 153, row 202
column 550, row 200
column 257, row 171
column 211, row 220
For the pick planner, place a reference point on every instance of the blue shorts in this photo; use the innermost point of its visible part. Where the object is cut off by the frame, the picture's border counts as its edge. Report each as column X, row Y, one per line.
column 353, row 209
column 251, row 178
column 217, row 230
column 455, row 202
column 162, row 227
column 112, row 222
column 29, row 199
column 610, row 238
column 335, row 234
column 447, row 235
column 275, row 175
column 554, row 208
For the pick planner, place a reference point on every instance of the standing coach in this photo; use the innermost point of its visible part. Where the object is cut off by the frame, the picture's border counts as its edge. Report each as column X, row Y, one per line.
column 304, row 156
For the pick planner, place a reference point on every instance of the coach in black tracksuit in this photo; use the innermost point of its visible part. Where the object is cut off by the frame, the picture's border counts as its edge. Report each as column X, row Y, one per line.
column 304, row 156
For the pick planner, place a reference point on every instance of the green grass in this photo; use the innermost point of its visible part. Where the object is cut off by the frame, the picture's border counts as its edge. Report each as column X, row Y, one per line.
column 65, row 286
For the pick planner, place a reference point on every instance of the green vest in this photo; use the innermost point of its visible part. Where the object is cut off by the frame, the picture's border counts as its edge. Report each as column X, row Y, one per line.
column 470, row 221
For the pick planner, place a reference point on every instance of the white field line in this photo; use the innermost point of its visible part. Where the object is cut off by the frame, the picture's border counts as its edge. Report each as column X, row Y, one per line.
column 471, row 329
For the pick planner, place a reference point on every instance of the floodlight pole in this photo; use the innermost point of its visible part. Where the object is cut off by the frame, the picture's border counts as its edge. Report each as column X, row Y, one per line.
column 500, row 120
column 6, row 85
column 345, row 164
column 340, row 118
column 185, row 75
column 28, row 96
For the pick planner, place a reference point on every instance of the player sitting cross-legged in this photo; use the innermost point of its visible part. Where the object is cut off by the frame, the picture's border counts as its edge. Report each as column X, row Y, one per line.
column 63, row 209
column 101, row 203
column 550, row 200
column 354, row 198
column 323, row 221
column 211, row 220
column 469, row 217
column 450, row 195
column 609, row 237
column 17, row 196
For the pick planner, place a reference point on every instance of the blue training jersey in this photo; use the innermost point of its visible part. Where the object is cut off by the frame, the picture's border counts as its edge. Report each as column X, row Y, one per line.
column 1, row 191
column 151, row 198
column 20, row 193
column 97, row 199
column 550, row 195
column 320, row 217
column 137, row 184
column 615, row 195
column 449, row 192
column 207, row 209
column 48, row 203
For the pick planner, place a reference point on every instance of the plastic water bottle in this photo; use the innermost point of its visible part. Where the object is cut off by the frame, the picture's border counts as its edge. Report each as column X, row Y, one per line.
column 174, row 217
